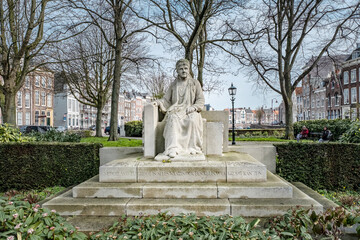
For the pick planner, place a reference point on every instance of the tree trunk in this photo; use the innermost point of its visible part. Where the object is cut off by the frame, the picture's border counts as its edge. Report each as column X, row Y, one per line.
column 201, row 59
column 115, row 93
column 289, row 131
column 9, row 109
column 98, row 121
column 189, row 56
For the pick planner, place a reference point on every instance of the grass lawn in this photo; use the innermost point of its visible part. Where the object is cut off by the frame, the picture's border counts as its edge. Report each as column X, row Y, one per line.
column 122, row 142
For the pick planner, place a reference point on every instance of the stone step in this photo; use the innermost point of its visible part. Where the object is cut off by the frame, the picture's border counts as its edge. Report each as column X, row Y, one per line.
column 66, row 205
column 232, row 167
column 274, row 187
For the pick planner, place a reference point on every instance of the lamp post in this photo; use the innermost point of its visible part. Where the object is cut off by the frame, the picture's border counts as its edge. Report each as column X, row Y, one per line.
column 272, row 109
column 232, row 93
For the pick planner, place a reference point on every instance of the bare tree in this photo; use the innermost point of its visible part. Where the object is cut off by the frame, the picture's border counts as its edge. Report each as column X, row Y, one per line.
column 86, row 65
column 118, row 15
column 287, row 34
column 259, row 114
column 194, row 24
column 156, row 83
column 26, row 28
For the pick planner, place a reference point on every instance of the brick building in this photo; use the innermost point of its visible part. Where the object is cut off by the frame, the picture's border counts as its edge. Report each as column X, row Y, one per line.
column 35, row 99
column 350, row 85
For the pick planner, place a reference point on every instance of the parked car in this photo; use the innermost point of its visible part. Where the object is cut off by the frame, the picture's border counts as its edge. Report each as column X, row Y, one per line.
column 22, row 128
column 60, row 129
column 92, row 128
column 40, row 129
column 107, row 130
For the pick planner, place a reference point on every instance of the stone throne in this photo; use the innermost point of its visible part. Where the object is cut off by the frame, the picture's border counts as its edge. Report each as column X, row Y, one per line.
column 215, row 132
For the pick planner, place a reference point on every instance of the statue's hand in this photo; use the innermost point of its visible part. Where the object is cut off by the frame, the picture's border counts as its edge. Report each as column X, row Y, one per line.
column 190, row 110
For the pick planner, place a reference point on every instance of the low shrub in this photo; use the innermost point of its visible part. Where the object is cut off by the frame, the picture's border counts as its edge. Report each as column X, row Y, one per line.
column 134, row 128
column 331, row 166
column 38, row 165
column 54, row 136
column 22, row 220
column 163, row 226
column 11, row 134
column 82, row 133
column 352, row 134
column 337, row 126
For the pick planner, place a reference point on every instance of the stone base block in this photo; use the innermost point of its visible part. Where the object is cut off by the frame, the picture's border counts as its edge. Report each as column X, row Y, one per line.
column 273, row 207
column 274, row 187
column 180, row 190
column 92, row 188
column 66, row 205
column 200, row 207
column 231, row 167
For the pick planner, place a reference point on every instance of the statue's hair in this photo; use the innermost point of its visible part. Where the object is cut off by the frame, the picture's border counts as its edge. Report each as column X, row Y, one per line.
column 182, row 61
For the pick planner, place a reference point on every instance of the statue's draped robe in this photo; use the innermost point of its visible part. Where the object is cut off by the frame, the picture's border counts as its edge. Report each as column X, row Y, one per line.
column 183, row 132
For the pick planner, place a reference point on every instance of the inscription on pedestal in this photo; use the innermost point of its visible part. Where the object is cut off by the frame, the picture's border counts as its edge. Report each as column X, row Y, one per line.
column 245, row 172
column 184, row 172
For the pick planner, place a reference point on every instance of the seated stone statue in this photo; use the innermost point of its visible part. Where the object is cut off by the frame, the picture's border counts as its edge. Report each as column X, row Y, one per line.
column 182, row 105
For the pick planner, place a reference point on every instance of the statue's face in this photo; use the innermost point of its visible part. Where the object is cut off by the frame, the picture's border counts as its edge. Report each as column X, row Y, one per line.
column 183, row 70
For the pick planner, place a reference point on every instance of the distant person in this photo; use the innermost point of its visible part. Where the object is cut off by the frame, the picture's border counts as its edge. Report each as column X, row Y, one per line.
column 303, row 134
column 326, row 135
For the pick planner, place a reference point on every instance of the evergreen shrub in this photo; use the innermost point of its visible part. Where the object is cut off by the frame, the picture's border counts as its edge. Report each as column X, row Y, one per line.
column 134, row 128
column 337, row 126
column 352, row 135
column 54, row 136
column 331, row 166
column 38, row 165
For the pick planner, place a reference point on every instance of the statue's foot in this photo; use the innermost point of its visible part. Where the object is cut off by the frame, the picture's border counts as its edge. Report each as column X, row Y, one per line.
column 192, row 152
column 172, row 154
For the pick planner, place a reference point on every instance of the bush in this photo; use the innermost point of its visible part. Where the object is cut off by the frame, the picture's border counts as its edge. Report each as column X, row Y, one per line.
column 22, row 220
column 82, row 133
column 11, row 134
column 331, row 166
column 54, row 136
column 352, row 135
column 134, row 129
column 38, row 165
column 337, row 126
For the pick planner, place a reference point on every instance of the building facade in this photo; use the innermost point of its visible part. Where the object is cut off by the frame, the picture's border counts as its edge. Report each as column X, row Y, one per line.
column 350, row 85
column 35, row 100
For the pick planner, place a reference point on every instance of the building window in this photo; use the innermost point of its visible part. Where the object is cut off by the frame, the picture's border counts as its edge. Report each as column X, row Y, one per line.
column 27, row 82
column 42, row 118
column 353, row 95
column 19, row 99
column 27, row 118
column 37, row 81
column 27, row 100
column 37, row 98
column 336, row 99
column 353, row 76
column 329, row 101
column 49, row 100
column 49, row 82
column 43, row 99
column 43, row 82
column 346, row 77
column 36, row 117
column 69, row 104
column 346, row 96
column 19, row 118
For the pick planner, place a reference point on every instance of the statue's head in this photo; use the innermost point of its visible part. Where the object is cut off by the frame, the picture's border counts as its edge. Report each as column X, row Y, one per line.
column 183, row 68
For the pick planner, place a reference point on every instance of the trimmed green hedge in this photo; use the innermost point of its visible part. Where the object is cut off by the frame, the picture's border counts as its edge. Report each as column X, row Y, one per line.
column 331, row 166
column 134, row 129
column 38, row 165
column 337, row 126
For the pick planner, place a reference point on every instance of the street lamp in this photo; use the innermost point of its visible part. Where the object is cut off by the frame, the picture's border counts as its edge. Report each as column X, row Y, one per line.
column 232, row 93
column 272, row 109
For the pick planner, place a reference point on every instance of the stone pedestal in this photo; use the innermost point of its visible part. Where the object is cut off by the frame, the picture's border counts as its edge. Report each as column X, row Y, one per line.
column 234, row 184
